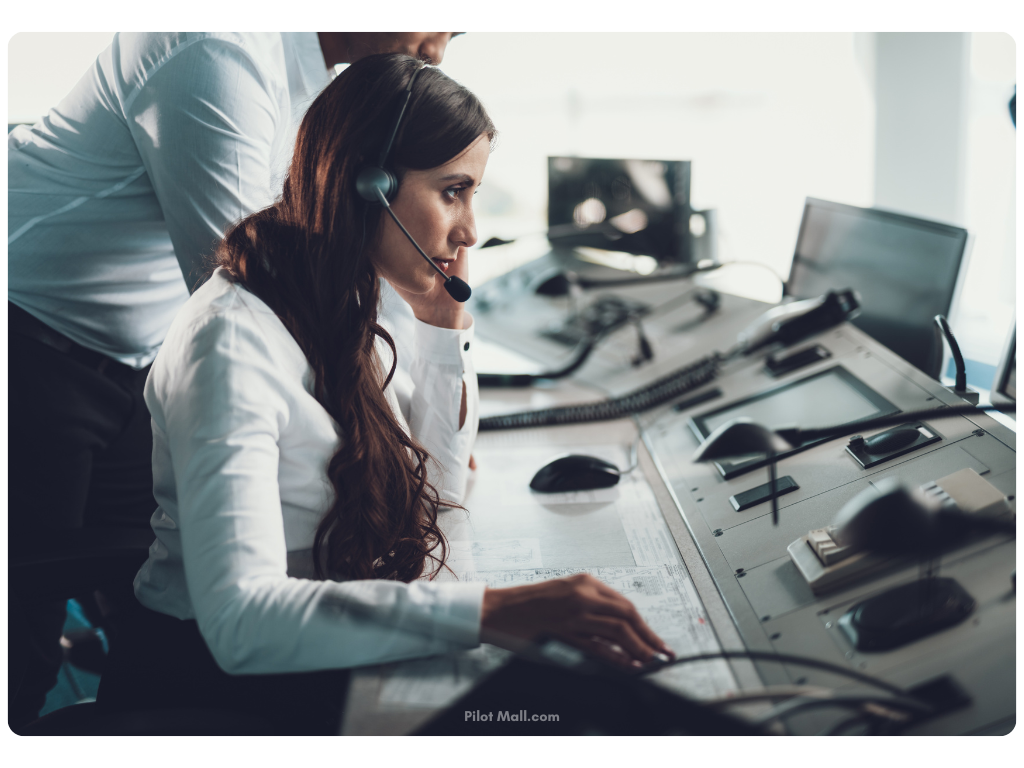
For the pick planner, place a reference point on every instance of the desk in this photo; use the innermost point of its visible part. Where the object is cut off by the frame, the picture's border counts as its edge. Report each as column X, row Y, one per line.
column 748, row 588
column 580, row 535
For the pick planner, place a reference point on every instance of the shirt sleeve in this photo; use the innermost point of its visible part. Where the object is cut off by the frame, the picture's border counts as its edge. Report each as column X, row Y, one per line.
column 429, row 390
column 222, row 401
column 205, row 125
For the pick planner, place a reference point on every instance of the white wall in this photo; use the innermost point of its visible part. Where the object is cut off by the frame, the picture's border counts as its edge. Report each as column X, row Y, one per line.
column 43, row 66
column 946, row 150
column 921, row 85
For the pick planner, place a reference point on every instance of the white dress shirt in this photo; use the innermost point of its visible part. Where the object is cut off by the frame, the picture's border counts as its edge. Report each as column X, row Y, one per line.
column 130, row 181
column 240, row 447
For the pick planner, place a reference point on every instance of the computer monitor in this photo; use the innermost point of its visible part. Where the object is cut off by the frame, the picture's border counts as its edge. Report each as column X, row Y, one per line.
column 636, row 206
column 905, row 269
column 1004, row 385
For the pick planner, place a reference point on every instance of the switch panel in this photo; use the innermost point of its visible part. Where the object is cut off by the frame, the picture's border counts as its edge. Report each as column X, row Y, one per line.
column 826, row 548
column 762, row 493
column 891, row 443
column 826, row 565
column 970, row 492
column 845, row 566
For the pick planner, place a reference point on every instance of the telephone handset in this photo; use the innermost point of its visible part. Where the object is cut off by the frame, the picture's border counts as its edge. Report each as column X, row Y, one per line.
column 790, row 323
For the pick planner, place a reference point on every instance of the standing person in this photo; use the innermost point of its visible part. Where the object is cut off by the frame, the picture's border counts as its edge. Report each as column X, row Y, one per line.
column 299, row 482
column 114, row 200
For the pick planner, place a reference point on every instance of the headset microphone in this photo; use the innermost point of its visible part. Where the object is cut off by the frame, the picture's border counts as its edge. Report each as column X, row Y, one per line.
column 378, row 185
column 456, row 287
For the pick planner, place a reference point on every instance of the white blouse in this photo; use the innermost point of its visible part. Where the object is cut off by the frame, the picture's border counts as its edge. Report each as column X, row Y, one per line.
column 240, row 448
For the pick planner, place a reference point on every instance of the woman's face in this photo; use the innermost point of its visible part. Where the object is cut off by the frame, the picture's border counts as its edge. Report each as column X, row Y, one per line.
column 436, row 206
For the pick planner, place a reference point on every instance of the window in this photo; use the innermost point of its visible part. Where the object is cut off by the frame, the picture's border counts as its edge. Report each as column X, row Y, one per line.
column 767, row 119
column 987, row 302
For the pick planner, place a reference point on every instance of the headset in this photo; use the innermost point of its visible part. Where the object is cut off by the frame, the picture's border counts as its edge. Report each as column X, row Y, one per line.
column 376, row 184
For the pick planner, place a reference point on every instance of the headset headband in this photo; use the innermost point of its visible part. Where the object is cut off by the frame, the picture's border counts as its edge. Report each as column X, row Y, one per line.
column 398, row 120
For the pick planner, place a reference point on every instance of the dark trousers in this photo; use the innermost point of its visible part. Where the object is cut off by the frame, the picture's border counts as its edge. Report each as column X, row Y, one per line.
column 79, row 455
column 163, row 663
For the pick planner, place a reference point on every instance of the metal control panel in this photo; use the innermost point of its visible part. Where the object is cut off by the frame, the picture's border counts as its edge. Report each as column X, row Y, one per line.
column 770, row 601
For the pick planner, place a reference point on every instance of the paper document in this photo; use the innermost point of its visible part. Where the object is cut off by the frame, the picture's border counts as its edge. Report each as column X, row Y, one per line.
column 494, row 554
column 664, row 596
column 508, row 484
column 650, row 539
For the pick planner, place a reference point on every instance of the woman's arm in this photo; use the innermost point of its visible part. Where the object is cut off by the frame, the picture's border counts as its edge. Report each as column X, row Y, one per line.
column 435, row 381
column 444, row 404
column 226, row 400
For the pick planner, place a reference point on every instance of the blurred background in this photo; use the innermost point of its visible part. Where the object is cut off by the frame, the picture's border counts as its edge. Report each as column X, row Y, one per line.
column 913, row 122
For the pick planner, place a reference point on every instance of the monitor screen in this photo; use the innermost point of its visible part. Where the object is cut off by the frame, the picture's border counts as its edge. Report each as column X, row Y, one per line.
column 1010, row 385
column 831, row 397
column 637, row 206
column 904, row 269
column 1004, row 385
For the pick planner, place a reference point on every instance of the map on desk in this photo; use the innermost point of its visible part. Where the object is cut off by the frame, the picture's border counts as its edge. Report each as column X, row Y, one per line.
column 664, row 596
column 650, row 540
column 657, row 584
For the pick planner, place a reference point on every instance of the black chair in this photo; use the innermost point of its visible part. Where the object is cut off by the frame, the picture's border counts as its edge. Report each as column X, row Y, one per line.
column 73, row 562
column 77, row 562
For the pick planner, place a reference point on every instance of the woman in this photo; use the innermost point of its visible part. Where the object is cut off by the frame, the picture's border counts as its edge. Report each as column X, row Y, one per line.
column 288, row 457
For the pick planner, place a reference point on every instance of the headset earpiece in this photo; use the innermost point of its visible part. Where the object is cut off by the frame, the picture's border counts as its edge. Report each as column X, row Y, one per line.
column 374, row 177
column 371, row 178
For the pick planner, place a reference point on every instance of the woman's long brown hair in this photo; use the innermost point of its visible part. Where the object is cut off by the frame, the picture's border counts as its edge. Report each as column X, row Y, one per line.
column 307, row 257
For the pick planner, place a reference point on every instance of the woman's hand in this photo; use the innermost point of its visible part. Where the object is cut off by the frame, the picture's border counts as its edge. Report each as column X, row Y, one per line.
column 579, row 610
column 436, row 307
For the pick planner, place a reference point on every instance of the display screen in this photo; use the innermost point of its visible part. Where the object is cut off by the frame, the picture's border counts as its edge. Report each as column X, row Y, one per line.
column 831, row 397
column 637, row 206
column 904, row 269
column 1010, row 386
column 1004, row 386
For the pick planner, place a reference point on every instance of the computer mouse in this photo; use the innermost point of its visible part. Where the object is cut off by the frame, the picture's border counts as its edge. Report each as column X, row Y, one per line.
column 892, row 440
column 555, row 285
column 575, row 472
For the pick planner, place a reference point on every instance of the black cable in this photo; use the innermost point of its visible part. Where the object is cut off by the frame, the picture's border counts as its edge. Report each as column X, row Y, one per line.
column 708, row 298
column 661, row 391
column 645, row 351
column 798, row 437
column 958, row 358
column 582, row 353
column 785, row 658
column 494, row 380
column 602, row 318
